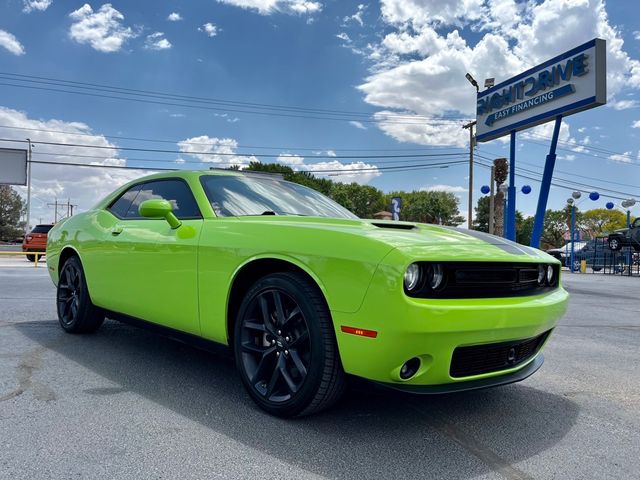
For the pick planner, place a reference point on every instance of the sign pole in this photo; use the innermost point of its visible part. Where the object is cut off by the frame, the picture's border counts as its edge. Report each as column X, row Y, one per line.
column 26, row 228
column 549, row 165
column 510, row 230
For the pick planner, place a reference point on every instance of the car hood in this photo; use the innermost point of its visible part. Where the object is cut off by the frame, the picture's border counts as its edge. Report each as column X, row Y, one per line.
column 405, row 235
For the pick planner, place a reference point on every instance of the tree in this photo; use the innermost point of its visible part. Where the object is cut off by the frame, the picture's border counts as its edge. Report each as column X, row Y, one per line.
column 555, row 225
column 524, row 228
column 11, row 209
column 363, row 200
column 428, row 207
column 501, row 170
column 481, row 220
column 600, row 221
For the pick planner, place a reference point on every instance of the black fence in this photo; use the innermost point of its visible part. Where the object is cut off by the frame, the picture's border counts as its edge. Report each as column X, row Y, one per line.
column 599, row 258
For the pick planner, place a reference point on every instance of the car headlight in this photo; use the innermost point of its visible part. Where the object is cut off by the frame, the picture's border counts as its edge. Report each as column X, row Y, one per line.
column 542, row 273
column 550, row 275
column 436, row 275
column 412, row 277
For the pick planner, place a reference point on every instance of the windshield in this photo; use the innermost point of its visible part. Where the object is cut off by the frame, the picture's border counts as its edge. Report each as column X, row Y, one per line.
column 233, row 196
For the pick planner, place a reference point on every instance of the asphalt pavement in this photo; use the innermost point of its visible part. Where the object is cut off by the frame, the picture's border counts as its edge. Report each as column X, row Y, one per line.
column 127, row 403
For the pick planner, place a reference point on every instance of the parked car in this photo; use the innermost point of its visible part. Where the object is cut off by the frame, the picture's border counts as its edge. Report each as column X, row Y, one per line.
column 626, row 237
column 36, row 241
column 564, row 252
column 303, row 291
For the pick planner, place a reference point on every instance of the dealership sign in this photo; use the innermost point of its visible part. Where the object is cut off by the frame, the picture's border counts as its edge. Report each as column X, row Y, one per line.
column 567, row 84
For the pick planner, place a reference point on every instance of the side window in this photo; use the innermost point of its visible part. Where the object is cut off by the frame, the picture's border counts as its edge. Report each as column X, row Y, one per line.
column 176, row 192
column 120, row 207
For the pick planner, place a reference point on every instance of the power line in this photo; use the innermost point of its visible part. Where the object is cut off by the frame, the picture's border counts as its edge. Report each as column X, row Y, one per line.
column 337, row 172
column 155, row 140
column 131, row 91
column 203, row 107
column 236, row 154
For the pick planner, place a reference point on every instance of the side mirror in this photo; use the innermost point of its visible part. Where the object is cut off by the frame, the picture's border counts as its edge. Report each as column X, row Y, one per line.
column 157, row 208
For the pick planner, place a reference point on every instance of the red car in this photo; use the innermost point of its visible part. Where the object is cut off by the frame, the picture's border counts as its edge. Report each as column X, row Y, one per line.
column 36, row 241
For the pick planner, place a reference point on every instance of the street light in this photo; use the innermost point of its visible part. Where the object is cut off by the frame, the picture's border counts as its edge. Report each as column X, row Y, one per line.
column 472, row 81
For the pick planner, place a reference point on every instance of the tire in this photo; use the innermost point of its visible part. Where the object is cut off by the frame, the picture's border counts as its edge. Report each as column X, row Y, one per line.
column 614, row 244
column 76, row 313
column 31, row 258
column 576, row 266
column 285, row 347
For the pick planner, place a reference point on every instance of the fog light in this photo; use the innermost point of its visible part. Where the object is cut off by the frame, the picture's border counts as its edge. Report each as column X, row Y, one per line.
column 409, row 368
column 542, row 273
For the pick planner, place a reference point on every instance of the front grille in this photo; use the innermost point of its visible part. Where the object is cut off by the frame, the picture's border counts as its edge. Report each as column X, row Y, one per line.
column 479, row 359
column 486, row 280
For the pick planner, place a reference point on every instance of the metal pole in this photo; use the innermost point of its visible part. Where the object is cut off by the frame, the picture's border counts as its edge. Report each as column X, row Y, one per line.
column 471, row 141
column 549, row 165
column 511, row 198
column 492, row 209
column 628, row 218
column 573, row 237
column 26, row 228
column 504, row 215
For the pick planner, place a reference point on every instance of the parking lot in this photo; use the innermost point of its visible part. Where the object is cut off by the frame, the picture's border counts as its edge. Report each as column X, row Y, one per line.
column 127, row 403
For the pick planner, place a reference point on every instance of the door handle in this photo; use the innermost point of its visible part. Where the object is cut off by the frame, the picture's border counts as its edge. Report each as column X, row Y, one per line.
column 116, row 231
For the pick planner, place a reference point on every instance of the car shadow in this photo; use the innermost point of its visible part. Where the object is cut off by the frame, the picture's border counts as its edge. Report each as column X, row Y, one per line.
column 371, row 432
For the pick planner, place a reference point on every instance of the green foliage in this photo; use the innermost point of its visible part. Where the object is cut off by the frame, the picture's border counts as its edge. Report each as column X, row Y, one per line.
column 363, row 200
column 524, row 228
column 481, row 220
column 428, row 207
column 600, row 221
column 11, row 208
column 555, row 225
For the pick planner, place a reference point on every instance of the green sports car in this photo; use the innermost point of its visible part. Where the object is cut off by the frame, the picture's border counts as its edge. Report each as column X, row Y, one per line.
column 302, row 291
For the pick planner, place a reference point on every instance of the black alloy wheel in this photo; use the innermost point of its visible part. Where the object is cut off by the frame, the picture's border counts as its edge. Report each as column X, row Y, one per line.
column 76, row 313
column 285, row 347
column 31, row 258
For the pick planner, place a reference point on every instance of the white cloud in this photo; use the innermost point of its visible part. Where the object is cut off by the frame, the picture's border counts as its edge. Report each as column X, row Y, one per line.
column 157, row 41
column 359, row 125
column 174, row 17
column 40, row 5
column 209, row 28
column 622, row 158
column 623, row 104
column 11, row 43
column 420, row 65
column 103, row 29
column 636, row 124
column 84, row 186
column 343, row 36
column 267, row 7
column 444, row 188
column 221, row 151
column 337, row 171
column 356, row 17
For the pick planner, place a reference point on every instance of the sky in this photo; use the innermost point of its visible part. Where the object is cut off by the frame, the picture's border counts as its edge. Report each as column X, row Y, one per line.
column 354, row 91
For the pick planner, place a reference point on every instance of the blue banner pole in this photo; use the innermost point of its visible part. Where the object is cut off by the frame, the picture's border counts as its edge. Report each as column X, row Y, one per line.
column 573, row 237
column 549, row 165
column 510, row 228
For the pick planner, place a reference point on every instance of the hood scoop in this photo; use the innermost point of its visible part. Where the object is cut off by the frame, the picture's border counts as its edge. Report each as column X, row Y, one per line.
column 394, row 226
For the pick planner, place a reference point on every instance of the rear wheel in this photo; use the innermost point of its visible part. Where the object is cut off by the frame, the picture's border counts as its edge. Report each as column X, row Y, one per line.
column 614, row 244
column 76, row 313
column 285, row 347
column 31, row 258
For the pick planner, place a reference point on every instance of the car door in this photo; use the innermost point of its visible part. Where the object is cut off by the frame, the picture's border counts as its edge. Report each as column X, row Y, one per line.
column 149, row 269
column 634, row 233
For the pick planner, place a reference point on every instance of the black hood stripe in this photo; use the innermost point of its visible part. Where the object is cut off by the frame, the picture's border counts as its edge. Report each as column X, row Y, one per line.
column 501, row 243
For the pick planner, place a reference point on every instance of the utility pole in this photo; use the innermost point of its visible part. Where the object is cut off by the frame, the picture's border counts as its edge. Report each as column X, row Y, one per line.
column 55, row 214
column 470, row 126
column 492, row 207
column 26, row 228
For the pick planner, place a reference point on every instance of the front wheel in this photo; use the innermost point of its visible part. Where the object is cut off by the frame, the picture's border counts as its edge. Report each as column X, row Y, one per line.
column 285, row 347
column 76, row 313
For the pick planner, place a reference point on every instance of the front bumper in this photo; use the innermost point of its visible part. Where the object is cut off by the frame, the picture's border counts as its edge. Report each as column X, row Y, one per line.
column 431, row 329
column 504, row 379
